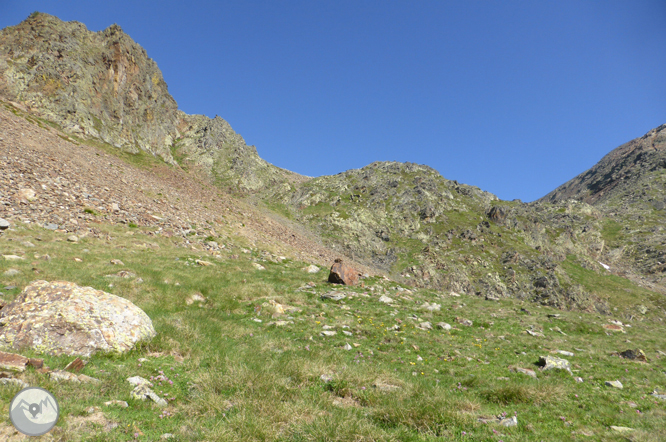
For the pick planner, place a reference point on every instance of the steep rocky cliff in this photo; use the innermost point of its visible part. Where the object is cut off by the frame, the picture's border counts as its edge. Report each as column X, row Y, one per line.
column 96, row 84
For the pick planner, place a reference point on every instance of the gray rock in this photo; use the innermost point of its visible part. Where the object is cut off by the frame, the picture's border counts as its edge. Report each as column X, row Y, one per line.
column 312, row 268
column 444, row 326
column 425, row 326
column 333, row 296
column 614, row 384
column 72, row 238
column 51, row 226
column 4, row 224
column 143, row 392
column 553, row 363
column 431, row 307
column 90, row 320
column 117, row 403
column 328, row 333
column 509, row 421
column 565, row 353
column 385, row 299
column 12, row 272
column 347, row 346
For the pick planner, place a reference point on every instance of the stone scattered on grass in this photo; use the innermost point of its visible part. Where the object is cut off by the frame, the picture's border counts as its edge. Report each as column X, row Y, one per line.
column 535, row 334
column 444, row 326
column 117, row 262
column 311, row 268
column 614, row 384
column 385, row 387
column 76, row 365
column 203, row 263
column 621, row 429
column 196, row 297
column 61, row 375
column 526, row 371
column 143, row 392
column 614, row 328
column 425, row 326
column 565, row 353
column 4, row 224
column 333, row 296
column 328, row 333
column 347, row 347
column 431, row 307
column 465, row 322
column 258, row 266
column 12, row 272
column 12, row 361
column 326, row 377
column 341, row 273
column 551, row 362
column 73, row 238
column 385, row 299
column 12, row 258
column 634, row 355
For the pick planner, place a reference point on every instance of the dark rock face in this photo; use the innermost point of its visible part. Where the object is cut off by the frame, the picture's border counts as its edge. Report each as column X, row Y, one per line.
column 341, row 273
column 95, row 84
column 497, row 214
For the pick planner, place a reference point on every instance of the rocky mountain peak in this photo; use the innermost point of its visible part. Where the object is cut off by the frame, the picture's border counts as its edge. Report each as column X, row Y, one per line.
column 93, row 84
column 623, row 172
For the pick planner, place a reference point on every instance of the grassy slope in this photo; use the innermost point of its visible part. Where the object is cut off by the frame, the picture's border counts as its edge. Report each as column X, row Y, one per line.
column 245, row 380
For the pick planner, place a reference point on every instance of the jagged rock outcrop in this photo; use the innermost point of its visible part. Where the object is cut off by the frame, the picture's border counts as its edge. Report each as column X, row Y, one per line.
column 94, row 84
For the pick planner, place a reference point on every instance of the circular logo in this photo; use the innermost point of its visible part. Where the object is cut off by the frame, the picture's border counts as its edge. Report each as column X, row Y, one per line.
column 34, row 411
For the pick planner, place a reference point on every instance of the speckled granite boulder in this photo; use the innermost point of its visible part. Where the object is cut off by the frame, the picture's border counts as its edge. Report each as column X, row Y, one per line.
column 60, row 317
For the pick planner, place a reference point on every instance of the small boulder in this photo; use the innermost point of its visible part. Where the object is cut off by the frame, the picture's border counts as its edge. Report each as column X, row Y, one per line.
column 550, row 363
column 73, row 238
column 385, row 299
column 11, row 361
column 634, row 355
column 614, row 384
column 311, row 268
column 431, row 307
column 27, row 195
column 11, row 272
column 341, row 273
column 465, row 322
column 60, row 317
column 258, row 266
column 333, row 296
column 444, row 326
column 4, row 224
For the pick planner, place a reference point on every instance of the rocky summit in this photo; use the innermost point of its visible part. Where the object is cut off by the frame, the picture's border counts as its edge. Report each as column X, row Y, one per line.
column 165, row 281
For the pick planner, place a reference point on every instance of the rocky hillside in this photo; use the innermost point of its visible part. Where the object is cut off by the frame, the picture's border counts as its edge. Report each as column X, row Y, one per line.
column 400, row 218
column 102, row 85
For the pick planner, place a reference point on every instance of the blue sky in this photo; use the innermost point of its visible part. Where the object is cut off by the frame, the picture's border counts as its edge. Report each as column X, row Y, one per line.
column 515, row 97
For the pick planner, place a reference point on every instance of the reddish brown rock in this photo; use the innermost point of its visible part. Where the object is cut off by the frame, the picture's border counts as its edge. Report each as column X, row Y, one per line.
column 614, row 328
column 11, row 361
column 76, row 365
column 341, row 273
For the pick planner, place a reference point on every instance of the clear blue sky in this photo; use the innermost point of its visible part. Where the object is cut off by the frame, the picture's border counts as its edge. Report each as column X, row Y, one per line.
column 515, row 97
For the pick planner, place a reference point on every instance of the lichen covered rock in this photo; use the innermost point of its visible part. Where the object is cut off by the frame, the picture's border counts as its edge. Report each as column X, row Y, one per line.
column 60, row 317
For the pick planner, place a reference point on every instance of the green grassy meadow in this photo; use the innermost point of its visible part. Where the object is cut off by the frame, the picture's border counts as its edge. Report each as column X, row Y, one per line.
column 237, row 376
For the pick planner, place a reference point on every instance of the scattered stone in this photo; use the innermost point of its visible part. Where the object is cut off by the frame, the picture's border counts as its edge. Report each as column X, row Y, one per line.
column 635, row 355
column 4, row 224
column 203, row 263
column 326, row 377
column 454, row 294
column 14, row 362
column 641, row 309
column 347, row 347
column 143, row 392
column 73, row 238
column 27, row 195
column 347, row 333
column 12, row 258
column 341, row 273
column 553, row 315
column 311, row 269
column 328, row 333
column 536, row 334
column 658, row 395
column 614, row 328
column 258, row 266
column 167, row 436
column 17, row 382
column 526, row 371
column 465, row 322
column 385, row 299
column 509, row 421
column 551, row 362
column 333, row 296
column 76, row 365
column 578, row 379
column 621, row 429
column 138, row 380
column 27, row 244
column 12, row 272
column 492, row 298
column 51, row 226
column 444, row 326
column 565, row 353
column 431, row 307
column 117, row 262
column 557, row 329
column 196, row 297
column 88, row 320
column 614, row 384
column 425, row 326
column 61, row 375
column 279, row 323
